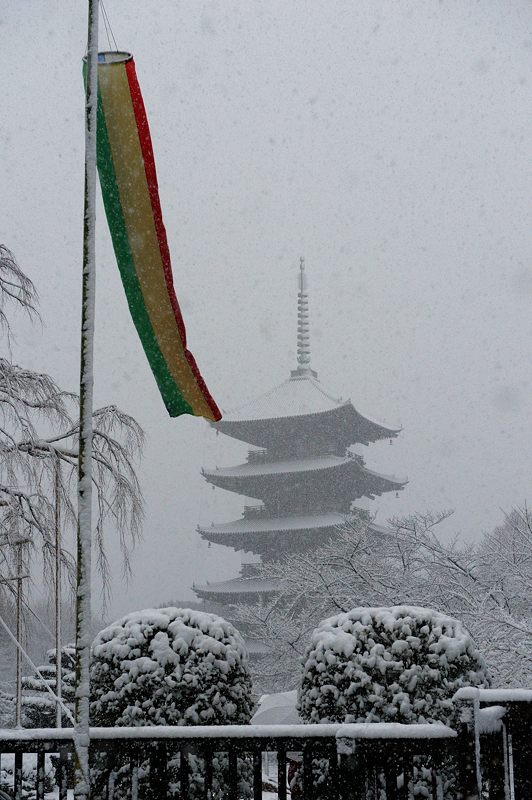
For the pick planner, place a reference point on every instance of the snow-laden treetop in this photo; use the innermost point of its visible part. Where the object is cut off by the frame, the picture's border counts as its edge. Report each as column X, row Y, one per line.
column 173, row 632
column 170, row 666
column 401, row 664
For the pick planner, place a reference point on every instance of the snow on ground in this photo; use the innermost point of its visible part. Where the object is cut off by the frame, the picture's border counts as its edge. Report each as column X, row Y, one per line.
column 277, row 708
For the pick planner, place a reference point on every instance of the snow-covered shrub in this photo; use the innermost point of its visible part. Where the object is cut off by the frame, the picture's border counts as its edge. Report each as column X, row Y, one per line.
column 172, row 666
column 398, row 664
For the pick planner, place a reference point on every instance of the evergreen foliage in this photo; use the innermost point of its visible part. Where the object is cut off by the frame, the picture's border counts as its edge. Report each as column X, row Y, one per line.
column 7, row 710
column 398, row 664
column 172, row 666
column 38, row 705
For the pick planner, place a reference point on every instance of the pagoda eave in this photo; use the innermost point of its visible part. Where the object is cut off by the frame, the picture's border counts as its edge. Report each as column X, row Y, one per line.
column 341, row 423
column 238, row 590
column 271, row 543
column 260, row 522
column 330, row 476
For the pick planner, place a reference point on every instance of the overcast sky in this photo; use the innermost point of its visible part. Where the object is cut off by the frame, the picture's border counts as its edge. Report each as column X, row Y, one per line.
column 388, row 143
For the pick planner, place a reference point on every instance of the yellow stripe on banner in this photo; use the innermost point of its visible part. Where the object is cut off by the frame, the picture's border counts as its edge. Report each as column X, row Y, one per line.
column 138, row 216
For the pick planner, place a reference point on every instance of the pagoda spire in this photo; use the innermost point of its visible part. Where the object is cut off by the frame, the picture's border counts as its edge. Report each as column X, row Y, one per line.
column 303, row 325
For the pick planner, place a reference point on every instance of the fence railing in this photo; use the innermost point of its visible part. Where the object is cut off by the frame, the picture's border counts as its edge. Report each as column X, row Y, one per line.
column 488, row 750
column 500, row 722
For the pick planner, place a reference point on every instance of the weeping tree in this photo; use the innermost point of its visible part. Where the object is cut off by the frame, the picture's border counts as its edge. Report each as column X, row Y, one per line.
column 39, row 441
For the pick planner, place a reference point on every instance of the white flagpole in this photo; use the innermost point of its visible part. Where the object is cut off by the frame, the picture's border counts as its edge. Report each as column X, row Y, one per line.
column 18, row 712
column 84, row 529
column 58, row 653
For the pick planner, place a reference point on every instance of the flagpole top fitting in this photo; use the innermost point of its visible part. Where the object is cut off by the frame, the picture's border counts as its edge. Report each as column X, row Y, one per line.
column 109, row 57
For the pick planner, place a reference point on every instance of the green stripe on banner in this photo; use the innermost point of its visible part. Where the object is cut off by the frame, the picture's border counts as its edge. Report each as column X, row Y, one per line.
column 172, row 397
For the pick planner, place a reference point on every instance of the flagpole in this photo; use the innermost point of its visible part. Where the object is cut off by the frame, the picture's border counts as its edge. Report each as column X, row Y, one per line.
column 58, row 551
column 84, row 526
column 18, row 712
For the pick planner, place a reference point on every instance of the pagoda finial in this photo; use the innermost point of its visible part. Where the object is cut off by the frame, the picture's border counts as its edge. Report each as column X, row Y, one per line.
column 303, row 335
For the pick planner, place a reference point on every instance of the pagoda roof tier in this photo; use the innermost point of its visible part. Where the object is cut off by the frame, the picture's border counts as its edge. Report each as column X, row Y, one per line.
column 236, row 590
column 297, row 406
column 266, row 524
column 331, row 479
column 267, row 536
column 264, row 535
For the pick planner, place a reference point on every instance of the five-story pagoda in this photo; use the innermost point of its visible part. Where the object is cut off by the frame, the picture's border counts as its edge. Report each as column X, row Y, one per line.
column 300, row 468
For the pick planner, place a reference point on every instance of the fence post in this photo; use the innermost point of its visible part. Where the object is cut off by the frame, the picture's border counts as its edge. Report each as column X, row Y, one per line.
column 352, row 772
column 184, row 774
column 232, row 776
column 158, row 770
column 408, row 774
column 468, row 788
column 392, row 765
column 308, row 777
column 257, row 775
column 519, row 719
column 17, row 776
column 281, row 774
column 493, row 762
column 63, row 772
column 344, row 776
column 208, row 772
column 134, row 767
column 39, row 788
column 333, row 785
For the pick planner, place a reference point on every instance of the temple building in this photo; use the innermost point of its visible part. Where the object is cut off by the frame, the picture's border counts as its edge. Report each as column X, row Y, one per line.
column 300, row 468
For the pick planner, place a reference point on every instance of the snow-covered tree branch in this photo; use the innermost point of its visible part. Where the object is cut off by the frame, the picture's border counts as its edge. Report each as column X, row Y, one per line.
column 15, row 288
column 486, row 585
column 39, row 439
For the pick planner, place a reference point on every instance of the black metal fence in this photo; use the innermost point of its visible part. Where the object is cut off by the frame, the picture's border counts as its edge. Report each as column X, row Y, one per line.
column 486, row 755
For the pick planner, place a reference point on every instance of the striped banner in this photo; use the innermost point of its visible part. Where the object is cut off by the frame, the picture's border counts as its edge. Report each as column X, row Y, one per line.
column 131, row 198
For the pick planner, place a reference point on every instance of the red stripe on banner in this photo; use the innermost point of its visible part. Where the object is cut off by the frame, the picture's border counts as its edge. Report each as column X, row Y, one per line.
column 153, row 188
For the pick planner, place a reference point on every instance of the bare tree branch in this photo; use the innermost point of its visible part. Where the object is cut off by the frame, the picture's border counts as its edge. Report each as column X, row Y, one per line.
column 15, row 288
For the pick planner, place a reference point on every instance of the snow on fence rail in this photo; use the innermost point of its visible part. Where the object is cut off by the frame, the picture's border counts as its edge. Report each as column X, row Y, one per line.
column 494, row 695
column 492, row 742
column 371, row 730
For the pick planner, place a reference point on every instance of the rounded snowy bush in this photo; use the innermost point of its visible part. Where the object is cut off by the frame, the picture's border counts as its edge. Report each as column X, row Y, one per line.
column 398, row 664
column 169, row 666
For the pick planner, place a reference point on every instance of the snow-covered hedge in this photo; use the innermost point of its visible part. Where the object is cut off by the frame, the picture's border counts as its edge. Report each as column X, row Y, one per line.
column 170, row 666
column 398, row 664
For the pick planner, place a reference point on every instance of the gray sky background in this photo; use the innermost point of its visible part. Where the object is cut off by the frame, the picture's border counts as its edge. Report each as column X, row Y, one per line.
column 388, row 143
